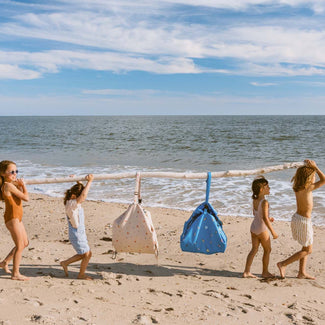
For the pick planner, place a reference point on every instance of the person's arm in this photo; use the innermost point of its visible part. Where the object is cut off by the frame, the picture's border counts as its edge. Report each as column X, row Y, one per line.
column 321, row 181
column 72, row 212
column 265, row 211
column 21, row 193
column 82, row 197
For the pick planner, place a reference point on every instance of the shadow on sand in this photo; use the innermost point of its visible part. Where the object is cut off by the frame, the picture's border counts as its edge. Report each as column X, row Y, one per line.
column 95, row 269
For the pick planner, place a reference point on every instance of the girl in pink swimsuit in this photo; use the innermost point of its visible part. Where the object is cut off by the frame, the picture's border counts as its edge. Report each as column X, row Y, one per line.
column 259, row 227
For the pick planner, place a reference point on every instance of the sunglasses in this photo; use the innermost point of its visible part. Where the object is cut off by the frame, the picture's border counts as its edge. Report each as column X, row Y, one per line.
column 13, row 172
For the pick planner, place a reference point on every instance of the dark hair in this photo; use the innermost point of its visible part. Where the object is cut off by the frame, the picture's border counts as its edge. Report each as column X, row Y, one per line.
column 2, row 180
column 3, row 167
column 74, row 190
column 257, row 185
column 302, row 178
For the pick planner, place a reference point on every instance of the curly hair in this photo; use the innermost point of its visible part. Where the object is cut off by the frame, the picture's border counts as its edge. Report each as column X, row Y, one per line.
column 74, row 190
column 3, row 167
column 257, row 184
column 303, row 178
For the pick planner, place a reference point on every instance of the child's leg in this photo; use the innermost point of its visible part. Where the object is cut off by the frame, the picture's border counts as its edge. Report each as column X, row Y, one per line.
column 302, row 265
column 4, row 264
column 266, row 244
column 295, row 257
column 250, row 257
column 18, row 234
column 83, row 266
column 74, row 258
column 24, row 235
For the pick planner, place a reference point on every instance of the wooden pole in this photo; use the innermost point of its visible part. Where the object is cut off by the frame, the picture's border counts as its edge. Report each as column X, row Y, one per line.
column 229, row 173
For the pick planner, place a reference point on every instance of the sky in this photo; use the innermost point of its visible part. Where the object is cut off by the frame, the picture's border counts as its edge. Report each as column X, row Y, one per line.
column 150, row 57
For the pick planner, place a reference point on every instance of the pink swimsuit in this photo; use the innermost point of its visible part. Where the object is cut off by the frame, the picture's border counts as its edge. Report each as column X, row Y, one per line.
column 258, row 225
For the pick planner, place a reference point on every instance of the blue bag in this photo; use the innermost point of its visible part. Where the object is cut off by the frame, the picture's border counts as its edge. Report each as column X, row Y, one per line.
column 203, row 231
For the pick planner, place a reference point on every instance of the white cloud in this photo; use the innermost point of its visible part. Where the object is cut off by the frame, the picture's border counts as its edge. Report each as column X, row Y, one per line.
column 109, row 32
column 31, row 65
column 279, row 70
column 250, row 42
column 109, row 36
column 53, row 61
column 311, row 83
column 262, row 84
column 8, row 71
column 240, row 5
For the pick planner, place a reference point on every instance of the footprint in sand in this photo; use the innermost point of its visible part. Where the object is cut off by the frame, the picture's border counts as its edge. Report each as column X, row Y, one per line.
column 35, row 318
column 247, row 296
column 169, row 309
column 145, row 320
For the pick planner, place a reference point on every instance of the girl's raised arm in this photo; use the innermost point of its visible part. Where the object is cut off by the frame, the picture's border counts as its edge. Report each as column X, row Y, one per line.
column 82, row 197
column 13, row 190
column 321, row 181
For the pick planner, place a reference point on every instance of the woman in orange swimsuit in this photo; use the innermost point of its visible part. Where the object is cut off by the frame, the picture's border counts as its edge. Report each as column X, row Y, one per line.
column 13, row 191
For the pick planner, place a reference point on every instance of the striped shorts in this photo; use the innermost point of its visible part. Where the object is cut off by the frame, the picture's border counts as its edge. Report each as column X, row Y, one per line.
column 302, row 230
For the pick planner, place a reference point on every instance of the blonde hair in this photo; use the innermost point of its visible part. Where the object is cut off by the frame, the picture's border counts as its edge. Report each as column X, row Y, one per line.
column 3, row 167
column 303, row 178
column 257, row 184
column 74, row 190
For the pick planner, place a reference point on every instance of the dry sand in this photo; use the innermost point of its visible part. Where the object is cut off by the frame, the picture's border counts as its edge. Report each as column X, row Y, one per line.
column 184, row 288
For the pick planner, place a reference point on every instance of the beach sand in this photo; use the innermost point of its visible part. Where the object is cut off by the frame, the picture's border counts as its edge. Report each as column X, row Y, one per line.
column 184, row 288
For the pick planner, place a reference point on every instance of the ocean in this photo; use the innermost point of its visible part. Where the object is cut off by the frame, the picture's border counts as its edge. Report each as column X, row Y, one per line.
column 64, row 145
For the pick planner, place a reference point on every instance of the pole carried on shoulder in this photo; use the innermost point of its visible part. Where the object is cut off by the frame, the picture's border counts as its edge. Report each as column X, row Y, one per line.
column 229, row 173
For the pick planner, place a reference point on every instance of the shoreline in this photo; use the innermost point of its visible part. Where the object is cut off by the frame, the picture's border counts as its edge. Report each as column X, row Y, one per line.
column 182, row 288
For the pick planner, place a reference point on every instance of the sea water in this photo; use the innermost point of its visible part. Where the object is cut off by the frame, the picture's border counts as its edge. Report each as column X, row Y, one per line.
column 60, row 146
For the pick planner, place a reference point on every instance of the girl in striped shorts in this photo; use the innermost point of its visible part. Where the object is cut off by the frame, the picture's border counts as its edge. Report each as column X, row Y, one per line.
column 304, row 182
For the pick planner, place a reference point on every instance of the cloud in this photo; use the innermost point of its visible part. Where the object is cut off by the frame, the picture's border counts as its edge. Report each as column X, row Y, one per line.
column 8, row 71
column 262, row 84
column 311, row 83
column 32, row 65
column 275, row 44
column 53, row 61
column 108, row 32
column 279, row 70
column 122, row 36
column 242, row 5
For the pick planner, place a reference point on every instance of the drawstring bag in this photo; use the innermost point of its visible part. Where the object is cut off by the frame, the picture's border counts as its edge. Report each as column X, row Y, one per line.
column 133, row 231
column 203, row 231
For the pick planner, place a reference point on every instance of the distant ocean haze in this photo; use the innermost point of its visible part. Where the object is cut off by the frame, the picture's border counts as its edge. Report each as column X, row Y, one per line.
column 60, row 146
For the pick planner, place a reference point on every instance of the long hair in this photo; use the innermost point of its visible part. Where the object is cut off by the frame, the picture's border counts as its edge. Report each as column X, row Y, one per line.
column 74, row 190
column 3, row 167
column 257, row 184
column 303, row 178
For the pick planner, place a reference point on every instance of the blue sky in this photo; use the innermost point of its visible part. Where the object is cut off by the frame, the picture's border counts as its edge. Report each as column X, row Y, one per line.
column 78, row 57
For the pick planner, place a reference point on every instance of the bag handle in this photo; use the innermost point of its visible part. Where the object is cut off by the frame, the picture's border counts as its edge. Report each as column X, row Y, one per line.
column 207, row 194
column 137, row 194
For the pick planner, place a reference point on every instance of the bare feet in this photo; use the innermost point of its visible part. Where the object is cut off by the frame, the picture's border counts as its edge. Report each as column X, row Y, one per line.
column 4, row 266
column 281, row 269
column 84, row 277
column 305, row 276
column 65, row 269
column 268, row 275
column 19, row 277
column 248, row 275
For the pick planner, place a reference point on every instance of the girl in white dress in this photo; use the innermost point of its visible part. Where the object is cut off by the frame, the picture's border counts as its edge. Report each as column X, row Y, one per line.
column 77, row 234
